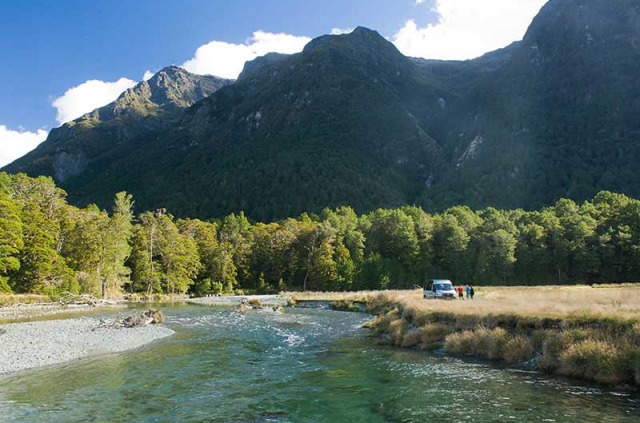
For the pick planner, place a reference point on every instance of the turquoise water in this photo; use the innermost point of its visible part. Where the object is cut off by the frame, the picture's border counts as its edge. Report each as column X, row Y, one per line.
column 302, row 365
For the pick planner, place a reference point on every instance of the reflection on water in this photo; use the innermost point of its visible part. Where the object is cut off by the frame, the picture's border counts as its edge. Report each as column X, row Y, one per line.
column 297, row 366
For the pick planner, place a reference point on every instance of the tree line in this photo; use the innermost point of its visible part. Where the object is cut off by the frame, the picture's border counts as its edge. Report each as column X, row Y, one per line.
column 49, row 246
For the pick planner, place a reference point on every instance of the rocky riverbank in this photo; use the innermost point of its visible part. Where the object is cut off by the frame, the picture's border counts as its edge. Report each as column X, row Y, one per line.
column 36, row 344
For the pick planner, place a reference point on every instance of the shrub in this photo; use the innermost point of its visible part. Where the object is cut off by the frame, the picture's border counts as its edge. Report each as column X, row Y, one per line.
column 4, row 286
column 595, row 360
column 517, row 350
column 433, row 334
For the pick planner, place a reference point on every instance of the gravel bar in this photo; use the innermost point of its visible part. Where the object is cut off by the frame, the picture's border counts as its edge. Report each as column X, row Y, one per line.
column 43, row 343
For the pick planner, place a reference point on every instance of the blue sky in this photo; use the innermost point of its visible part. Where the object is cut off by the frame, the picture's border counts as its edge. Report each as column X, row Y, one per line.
column 49, row 47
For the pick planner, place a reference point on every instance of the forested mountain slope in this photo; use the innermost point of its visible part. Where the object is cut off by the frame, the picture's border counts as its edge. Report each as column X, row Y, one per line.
column 351, row 121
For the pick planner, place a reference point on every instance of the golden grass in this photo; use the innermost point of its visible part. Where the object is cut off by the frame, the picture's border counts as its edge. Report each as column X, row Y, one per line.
column 538, row 302
column 359, row 296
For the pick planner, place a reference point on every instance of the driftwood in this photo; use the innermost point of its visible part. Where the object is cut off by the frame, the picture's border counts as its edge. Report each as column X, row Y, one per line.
column 254, row 304
column 149, row 317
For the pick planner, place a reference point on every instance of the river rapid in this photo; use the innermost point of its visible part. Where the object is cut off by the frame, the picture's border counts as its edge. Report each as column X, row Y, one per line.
column 300, row 365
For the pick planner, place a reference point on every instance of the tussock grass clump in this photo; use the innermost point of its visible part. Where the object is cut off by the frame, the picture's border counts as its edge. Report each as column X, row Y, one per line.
column 593, row 360
column 344, row 305
column 489, row 343
column 397, row 329
column 411, row 338
column 433, row 334
column 255, row 303
column 635, row 366
column 517, row 350
column 467, row 322
column 459, row 343
column 554, row 343
column 381, row 322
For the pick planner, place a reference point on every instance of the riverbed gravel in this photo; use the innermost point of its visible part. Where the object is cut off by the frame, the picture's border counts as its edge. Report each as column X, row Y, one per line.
column 43, row 343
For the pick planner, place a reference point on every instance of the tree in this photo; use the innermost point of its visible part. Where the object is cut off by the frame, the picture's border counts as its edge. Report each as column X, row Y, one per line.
column 116, row 244
column 42, row 268
column 144, row 264
column 11, row 240
column 178, row 254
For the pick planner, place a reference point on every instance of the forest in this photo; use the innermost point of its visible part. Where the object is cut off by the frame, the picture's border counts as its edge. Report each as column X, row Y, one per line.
column 48, row 246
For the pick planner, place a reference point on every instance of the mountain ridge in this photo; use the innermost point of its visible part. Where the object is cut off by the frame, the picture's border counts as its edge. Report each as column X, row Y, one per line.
column 352, row 121
column 148, row 106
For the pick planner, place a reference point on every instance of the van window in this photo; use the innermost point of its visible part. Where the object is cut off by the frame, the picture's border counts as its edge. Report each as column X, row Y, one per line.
column 442, row 286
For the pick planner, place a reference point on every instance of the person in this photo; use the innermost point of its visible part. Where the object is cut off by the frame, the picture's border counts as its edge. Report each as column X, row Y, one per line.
column 468, row 289
column 460, row 293
column 472, row 292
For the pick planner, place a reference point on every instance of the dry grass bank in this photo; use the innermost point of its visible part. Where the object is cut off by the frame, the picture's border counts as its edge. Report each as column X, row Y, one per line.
column 591, row 333
column 14, row 299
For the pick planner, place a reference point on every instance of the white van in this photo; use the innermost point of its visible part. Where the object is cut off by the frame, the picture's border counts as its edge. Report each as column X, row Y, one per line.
column 439, row 289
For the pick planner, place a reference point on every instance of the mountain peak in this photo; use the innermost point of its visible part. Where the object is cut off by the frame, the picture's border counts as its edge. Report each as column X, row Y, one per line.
column 586, row 22
column 150, row 105
column 361, row 37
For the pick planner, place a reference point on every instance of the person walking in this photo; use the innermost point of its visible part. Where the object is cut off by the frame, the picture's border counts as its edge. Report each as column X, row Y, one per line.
column 468, row 289
column 460, row 293
column 472, row 292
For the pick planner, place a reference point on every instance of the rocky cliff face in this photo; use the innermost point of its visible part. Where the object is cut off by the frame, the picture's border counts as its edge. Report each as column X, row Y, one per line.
column 150, row 105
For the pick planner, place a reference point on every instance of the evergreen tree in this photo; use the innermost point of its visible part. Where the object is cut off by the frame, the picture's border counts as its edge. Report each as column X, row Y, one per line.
column 11, row 240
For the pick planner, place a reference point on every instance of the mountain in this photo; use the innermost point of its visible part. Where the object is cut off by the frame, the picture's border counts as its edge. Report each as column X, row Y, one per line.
column 150, row 105
column 350, row 120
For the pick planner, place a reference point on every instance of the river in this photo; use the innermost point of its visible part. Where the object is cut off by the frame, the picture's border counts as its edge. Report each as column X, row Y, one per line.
column 303, row 365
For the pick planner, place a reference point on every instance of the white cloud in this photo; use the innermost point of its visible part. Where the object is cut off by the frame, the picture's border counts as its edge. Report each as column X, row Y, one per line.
column 88, row 96
column 340, row 31
column 15, row 144
column 147, row 75
column 467, row 28
column 226, row 60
